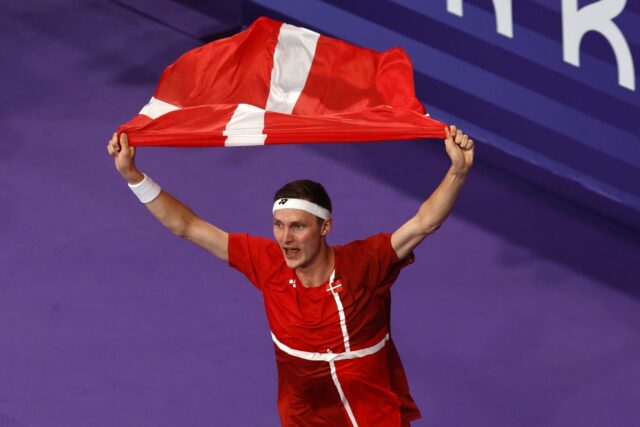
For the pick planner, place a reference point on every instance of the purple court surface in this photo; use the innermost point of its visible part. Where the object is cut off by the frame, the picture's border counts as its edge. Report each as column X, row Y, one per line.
column 522, row 310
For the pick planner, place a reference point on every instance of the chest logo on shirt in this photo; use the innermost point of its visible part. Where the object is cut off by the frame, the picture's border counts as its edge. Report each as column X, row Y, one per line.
column 334, row 287
column 292, row 282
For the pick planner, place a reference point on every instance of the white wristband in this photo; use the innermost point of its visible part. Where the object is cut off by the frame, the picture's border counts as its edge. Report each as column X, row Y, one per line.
column 146, row 190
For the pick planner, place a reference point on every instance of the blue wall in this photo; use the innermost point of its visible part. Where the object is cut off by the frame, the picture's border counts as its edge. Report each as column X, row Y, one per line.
column 573, row 129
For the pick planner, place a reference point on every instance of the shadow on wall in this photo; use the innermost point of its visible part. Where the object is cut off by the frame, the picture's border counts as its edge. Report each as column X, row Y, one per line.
column 517, row 211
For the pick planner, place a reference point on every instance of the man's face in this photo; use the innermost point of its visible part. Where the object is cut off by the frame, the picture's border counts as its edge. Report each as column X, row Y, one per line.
column 300, row 236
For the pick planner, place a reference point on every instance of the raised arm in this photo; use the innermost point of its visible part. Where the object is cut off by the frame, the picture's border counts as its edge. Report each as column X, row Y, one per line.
column 436, row 208
column 172, row 213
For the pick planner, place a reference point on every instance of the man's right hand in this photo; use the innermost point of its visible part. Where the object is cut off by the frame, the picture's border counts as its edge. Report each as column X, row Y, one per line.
column 124, row 158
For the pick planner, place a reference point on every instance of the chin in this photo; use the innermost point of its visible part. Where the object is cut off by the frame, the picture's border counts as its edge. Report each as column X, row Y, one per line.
column 295, row 263
column 292, row 264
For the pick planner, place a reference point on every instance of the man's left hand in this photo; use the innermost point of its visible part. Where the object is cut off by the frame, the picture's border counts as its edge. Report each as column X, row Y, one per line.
column 460, row 149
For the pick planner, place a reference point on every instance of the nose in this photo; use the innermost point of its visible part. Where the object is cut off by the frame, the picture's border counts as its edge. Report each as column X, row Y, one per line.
column 288, row 235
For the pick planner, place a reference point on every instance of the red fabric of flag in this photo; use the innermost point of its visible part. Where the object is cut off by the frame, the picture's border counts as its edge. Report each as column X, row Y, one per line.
column 275, row 83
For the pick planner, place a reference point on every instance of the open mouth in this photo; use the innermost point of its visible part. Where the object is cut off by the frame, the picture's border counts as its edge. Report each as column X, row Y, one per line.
column 291, row 252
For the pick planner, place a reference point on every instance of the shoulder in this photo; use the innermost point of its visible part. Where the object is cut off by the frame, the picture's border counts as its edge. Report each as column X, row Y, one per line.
column 245, row 238
column 243, row 244
column 376, row 249
column 256, row 257
column 371, row 252
column 375, row 243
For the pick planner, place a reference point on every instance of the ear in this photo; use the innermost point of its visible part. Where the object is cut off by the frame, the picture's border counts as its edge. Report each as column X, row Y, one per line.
column 326, row 227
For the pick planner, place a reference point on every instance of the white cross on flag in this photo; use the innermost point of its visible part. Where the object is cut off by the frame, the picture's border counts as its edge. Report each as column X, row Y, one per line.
column 275, row 83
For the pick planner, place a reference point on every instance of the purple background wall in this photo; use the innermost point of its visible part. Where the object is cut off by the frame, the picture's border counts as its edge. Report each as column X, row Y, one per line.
column 522, row 310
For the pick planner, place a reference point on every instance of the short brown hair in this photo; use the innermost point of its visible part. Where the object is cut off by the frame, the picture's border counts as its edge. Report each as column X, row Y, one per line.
column 305, row 189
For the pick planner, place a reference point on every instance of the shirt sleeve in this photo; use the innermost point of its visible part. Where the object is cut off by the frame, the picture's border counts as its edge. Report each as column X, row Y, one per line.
column 252, row 256
column 389, row 263
column 375, row 261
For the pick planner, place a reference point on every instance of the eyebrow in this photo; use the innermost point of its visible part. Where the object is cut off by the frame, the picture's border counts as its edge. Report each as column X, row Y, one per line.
column 292, row 224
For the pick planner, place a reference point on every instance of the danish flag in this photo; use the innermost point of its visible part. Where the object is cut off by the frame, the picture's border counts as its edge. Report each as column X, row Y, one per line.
column 276, row 83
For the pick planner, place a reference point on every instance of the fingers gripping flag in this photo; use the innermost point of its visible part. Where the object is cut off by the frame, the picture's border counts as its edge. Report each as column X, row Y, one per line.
column 275, row 83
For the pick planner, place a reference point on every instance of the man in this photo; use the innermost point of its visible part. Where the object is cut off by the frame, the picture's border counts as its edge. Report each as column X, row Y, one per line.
column 328, row 307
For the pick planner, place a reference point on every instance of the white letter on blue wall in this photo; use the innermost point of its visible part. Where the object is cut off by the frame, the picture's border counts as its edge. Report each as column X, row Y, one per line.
column 597, row 17
column 504, row 14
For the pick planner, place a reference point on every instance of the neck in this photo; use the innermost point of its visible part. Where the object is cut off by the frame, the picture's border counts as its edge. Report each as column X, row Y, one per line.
column 319, row 271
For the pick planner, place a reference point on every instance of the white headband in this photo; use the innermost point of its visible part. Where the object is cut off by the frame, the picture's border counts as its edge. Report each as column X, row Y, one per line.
column 303, row 205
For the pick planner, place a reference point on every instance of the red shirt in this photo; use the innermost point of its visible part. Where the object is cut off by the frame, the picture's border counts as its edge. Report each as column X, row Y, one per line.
column 336, row 363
